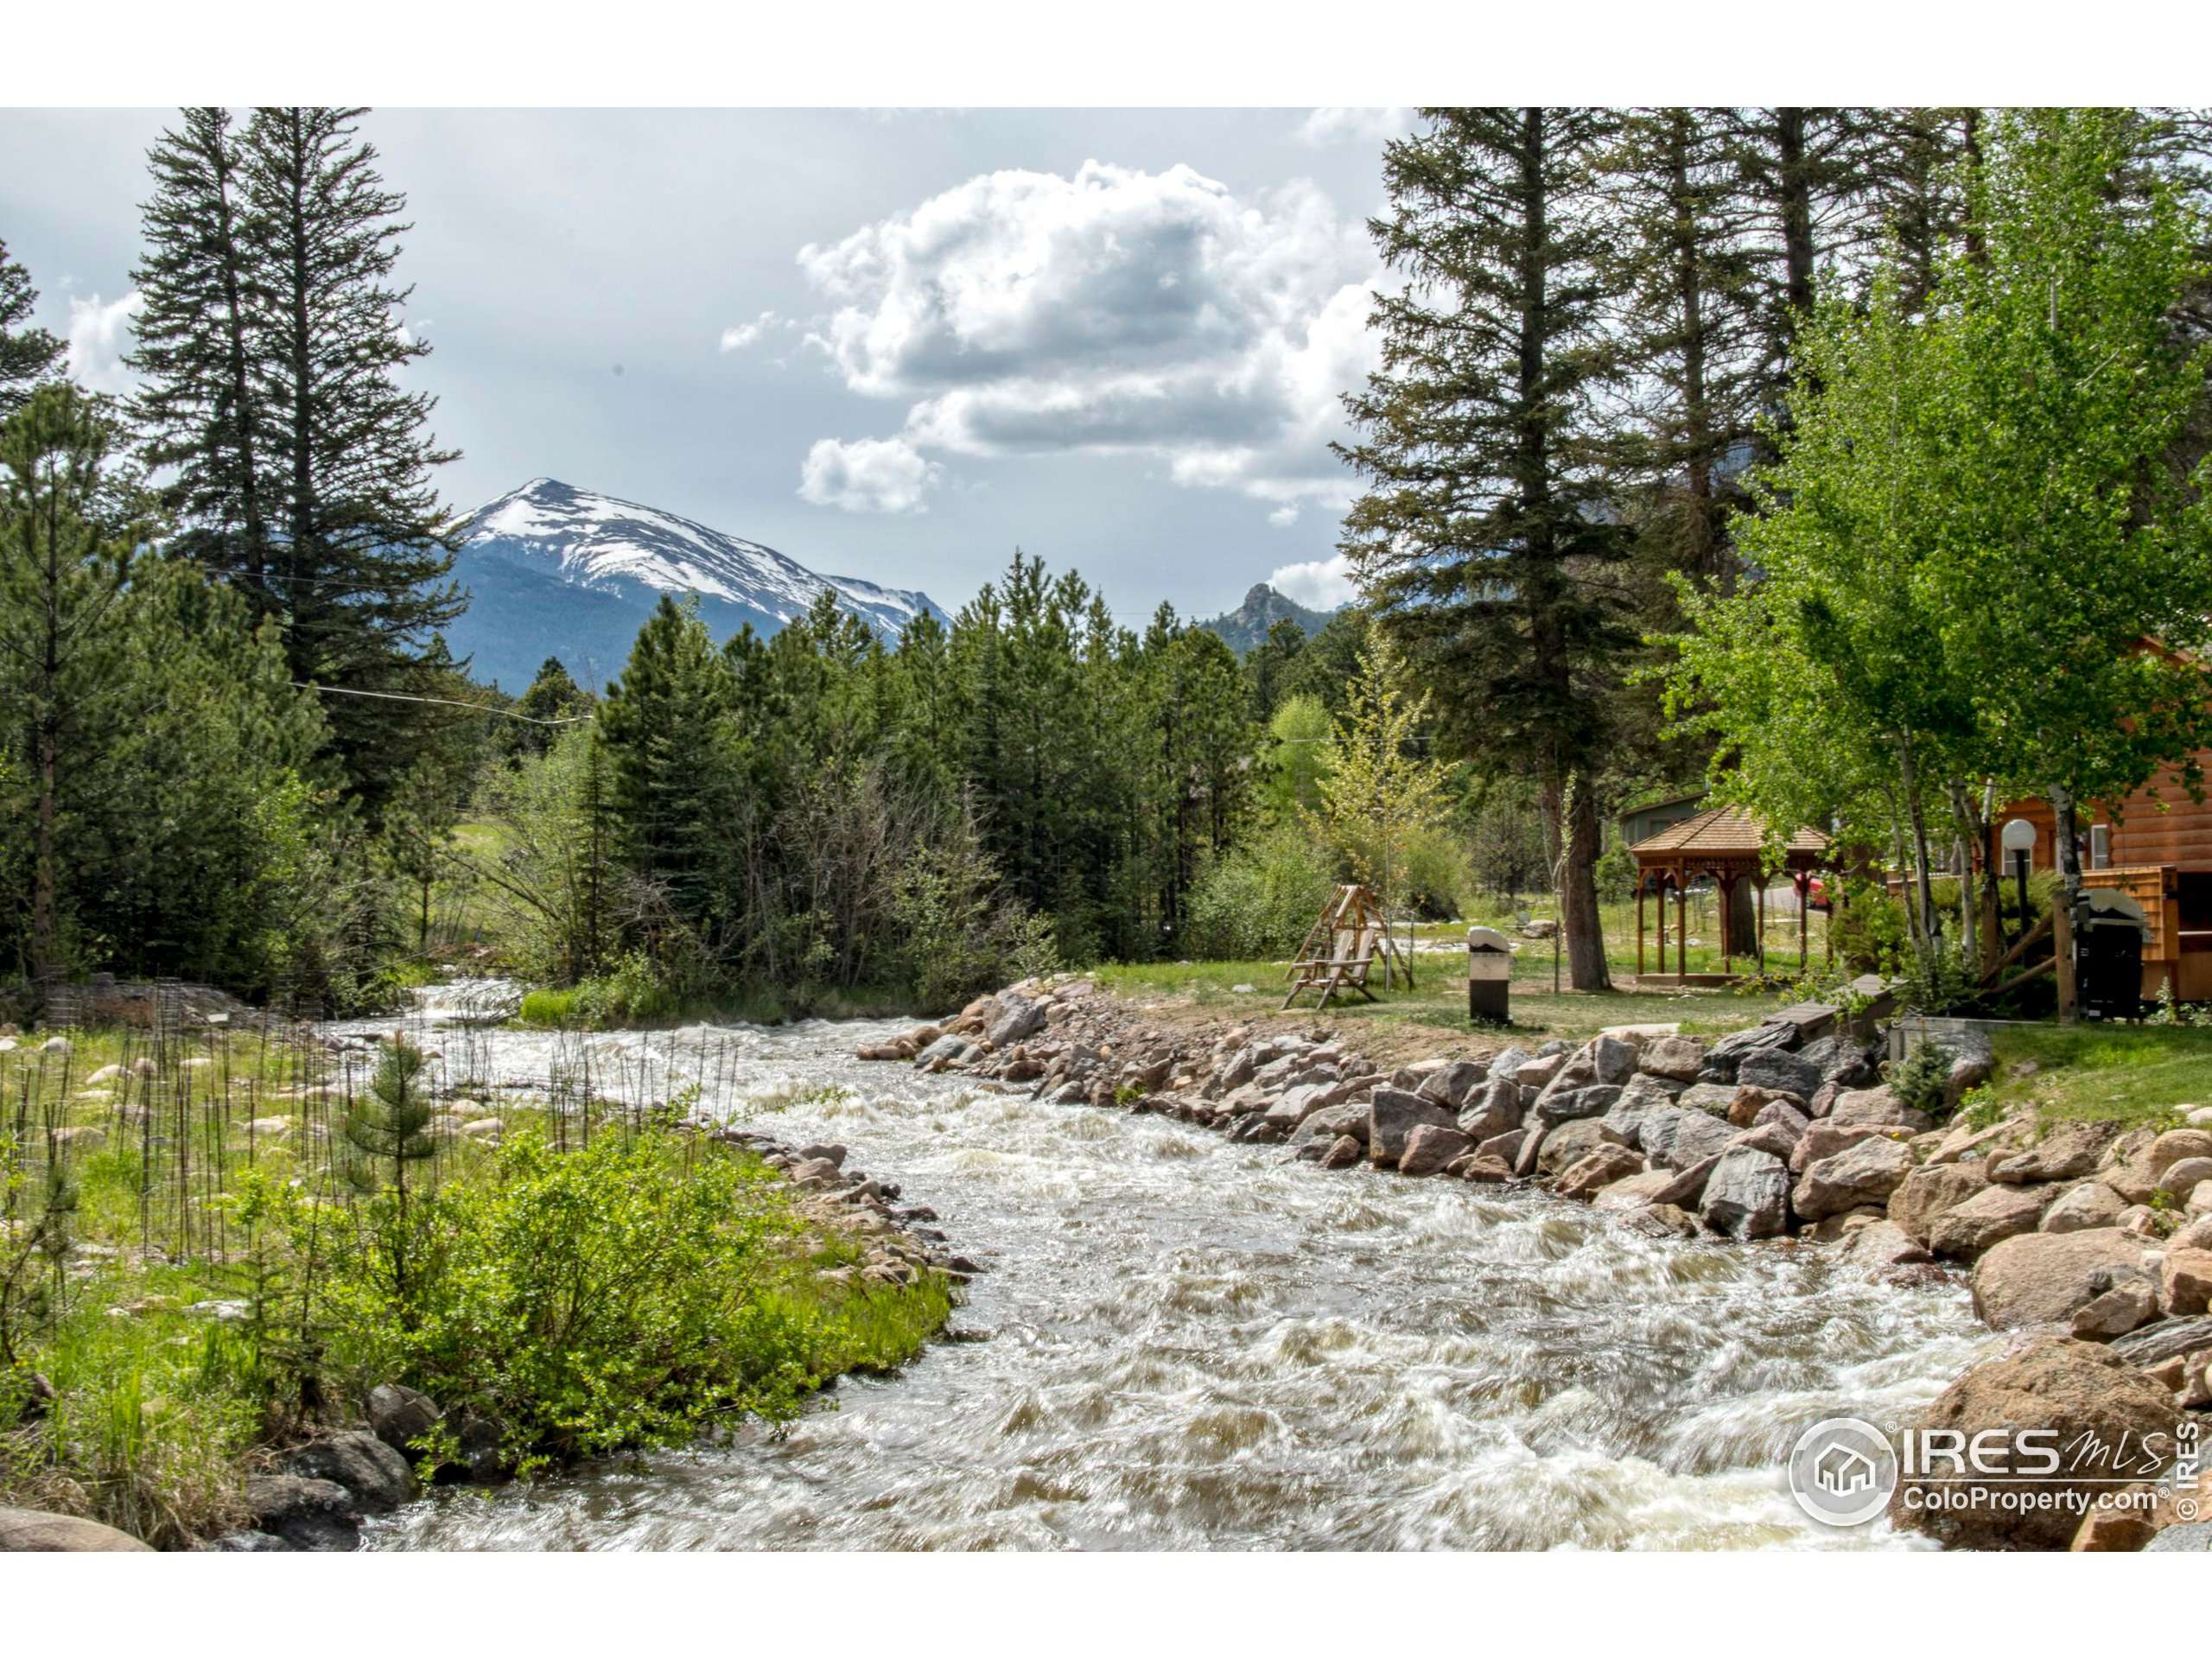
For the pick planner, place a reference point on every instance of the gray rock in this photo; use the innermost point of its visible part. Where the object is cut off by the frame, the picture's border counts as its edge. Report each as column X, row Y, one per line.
column 1506, row 1062
column 1612, row 1059
column 1865, row 1174
column 1565, row 1106
column 1722, row 1059
column 1018, row 1017
column 379, row 1477
column 1713, row 1099
column 1349, row 1117
column 2168, row 1339
column 306, row 1513
column 1505, row 1148
column 1674, row 1138
column 38, row 1531
column 1393, row 1114
column 399, row 1414
column 1747, row 1195
column 1780, row 1072
column 829, row 1152
column 1566, row 1144
column 1450, row 1086
column 2084, row 1205
column 1991, row 1216
column 1880, row 1107
column 1428, row 1148
column 2190, row 1537
column 2069, row 1152
column 1676, row 1058
column 1491, row 1110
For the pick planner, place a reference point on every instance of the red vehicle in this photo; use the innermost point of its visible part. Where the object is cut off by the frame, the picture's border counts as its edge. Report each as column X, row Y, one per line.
column 1817, row 895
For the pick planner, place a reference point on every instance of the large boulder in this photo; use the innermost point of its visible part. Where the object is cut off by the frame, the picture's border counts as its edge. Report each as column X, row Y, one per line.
column 2168, row 1339
column 1865, row 1174
column 1747, row 1194
column 2044, row 1278
column 1824, row 1138
column 1451, row 1085
column 2181, row 1179
column 2067, row 1154
column 306, row 1513
column 1723, row 1059
column 1612, row 1059
column 2078, row 1396
column 2185, row 1282
column 2082, row 1206
column 1674, row 1058
column 1930, row 1190
column 1566, row 1144
column 1879, row 1107
column 1491, row 1110
column 1349, row 1117
column 1991, row 1216
column 1598, row 1169
column 1429, row 1148
column 1019, row 1018
column 38, row 1531
column 379, row 1478
column 1674, row 1138
column 1713, row 1099
column 1564, row 1106
column 1393, row 1114
column 1780, row 1072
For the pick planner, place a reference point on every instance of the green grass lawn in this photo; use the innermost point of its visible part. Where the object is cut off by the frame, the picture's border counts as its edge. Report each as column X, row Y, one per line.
column 2136, row 1075
column 1439, row 998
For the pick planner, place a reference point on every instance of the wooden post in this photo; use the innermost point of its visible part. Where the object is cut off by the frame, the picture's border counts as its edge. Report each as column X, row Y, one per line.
column 1682, row 923
column 1659, row 888
column 1639, row 924
column 2062, row 944
column 1802, row 881
column 1724, row 883
column 1762, row 910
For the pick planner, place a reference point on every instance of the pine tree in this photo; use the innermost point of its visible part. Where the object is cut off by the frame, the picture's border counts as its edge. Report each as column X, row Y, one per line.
column 1486, row 541
column 360, row 550
column 26, row 355
column 388, row 1128
column 200, row 402
column 62, row 577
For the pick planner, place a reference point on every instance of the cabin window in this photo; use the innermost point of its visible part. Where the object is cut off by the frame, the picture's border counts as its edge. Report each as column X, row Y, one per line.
column 2101, row 846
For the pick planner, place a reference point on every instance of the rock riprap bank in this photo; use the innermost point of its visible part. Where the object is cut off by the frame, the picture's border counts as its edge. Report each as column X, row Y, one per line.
column 2093, row 1244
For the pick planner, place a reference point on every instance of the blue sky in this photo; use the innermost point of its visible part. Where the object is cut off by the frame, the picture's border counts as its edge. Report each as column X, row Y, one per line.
column 894, row 345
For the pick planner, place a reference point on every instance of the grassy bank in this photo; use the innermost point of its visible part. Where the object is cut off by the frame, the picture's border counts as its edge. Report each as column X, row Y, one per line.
column 1438, row 999
column 214, row 1242
column 2137, row 1076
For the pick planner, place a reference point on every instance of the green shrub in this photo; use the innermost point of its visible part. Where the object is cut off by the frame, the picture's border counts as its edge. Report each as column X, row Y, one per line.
column 623, row 1294
column 1869, row 930
column 1921, row 1080
column 1258, row 901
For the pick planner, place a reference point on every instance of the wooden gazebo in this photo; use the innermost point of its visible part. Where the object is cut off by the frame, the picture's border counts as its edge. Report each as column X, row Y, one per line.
column 1728, row 844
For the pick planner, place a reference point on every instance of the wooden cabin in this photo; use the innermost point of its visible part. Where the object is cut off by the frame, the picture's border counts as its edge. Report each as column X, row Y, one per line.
column 2157, row 849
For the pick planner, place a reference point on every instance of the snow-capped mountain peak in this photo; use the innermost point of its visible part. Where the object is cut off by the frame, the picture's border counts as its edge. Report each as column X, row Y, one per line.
column 614, row 559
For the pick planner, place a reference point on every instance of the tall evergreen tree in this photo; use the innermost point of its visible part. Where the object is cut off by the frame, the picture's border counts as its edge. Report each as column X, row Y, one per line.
column 201, row 403
column 362, row 552
column 1485, row 540
column 28, row 355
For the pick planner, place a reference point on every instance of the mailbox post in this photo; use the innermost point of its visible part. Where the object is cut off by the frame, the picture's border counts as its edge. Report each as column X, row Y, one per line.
column 1490, row 976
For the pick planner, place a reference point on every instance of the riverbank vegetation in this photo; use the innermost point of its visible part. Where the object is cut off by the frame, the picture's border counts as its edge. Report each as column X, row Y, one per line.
column 214, row 1242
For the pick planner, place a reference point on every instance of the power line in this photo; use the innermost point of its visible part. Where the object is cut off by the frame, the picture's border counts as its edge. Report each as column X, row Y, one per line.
column 450, row 703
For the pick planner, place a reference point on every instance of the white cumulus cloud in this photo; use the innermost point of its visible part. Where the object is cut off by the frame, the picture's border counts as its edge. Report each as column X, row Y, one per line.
column 737, row 337
column 1349, row 126
column 1112, row 311
column 1322, row 584
column 99, row 336
column 867, row 475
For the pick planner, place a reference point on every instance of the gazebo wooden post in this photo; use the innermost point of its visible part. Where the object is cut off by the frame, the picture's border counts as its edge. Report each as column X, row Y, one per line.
column 1802, row 881
column 1760, row 897
column 1682, row 921
column 1724, row 883
column 1639, row 924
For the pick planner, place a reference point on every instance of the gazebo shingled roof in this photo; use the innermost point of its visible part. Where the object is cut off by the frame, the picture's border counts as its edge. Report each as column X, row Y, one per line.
column 1723, row 832
column 1728, row 844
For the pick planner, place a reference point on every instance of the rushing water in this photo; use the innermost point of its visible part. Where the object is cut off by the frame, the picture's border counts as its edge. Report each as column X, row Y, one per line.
column 1183, row 1343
